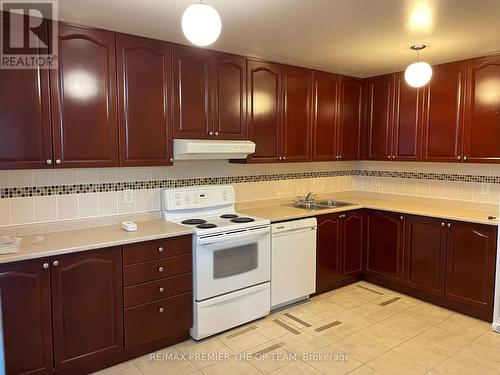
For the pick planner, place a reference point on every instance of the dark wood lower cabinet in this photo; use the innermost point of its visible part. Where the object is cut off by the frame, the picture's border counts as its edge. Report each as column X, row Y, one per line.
column 425, row 248
column 26, row 313
column 470, row 264
column 339, row 249
column 87, row 306
column 384, row 245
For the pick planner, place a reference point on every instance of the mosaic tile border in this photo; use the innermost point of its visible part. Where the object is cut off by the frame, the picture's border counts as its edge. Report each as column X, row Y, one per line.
column 35, row 191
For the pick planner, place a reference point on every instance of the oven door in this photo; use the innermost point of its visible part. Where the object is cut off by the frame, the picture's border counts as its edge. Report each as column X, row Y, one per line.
column 230, row 262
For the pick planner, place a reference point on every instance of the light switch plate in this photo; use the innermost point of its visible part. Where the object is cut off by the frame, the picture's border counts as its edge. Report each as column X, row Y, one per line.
column 128, row 196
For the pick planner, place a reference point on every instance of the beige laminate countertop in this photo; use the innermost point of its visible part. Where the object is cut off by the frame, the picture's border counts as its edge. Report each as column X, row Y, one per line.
column 280, row 210
column 71, row 241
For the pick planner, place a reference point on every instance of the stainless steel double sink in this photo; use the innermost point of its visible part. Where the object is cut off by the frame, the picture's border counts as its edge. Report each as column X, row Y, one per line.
column 321, row 205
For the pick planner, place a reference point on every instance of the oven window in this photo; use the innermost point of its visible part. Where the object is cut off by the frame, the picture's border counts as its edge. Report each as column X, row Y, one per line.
column 235, row 260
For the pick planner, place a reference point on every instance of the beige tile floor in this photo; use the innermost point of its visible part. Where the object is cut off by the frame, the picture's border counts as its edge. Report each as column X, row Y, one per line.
column 359, row 329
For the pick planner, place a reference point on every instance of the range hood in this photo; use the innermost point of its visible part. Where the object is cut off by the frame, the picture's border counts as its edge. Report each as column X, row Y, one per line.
column 202, row 149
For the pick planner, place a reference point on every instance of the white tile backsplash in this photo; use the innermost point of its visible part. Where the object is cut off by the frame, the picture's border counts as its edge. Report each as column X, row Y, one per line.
column 45, row 209
column 75, row 206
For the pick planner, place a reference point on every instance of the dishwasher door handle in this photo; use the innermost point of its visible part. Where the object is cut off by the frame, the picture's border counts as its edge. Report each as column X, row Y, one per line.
column 275, row 232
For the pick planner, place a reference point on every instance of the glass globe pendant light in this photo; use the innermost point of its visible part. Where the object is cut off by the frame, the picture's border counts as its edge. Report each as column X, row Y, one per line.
column 201, row 24
column 418, row 73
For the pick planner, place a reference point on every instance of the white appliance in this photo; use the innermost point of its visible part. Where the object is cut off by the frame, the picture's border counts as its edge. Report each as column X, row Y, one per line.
column 231, row 257
column 496, row 310
column 293, row 261
column 202, row 149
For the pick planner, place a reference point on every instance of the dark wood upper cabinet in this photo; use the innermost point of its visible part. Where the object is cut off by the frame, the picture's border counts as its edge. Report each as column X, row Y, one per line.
column 352, row 243
column 407, row 117
column 470, row 264
column 26, row 313
column 351, row 118
column 84, row 99
column 380, row 117
column 144, row 87
column 384, row 245
column 264, row 110
column 482, row 129
column 296, row 130
column 25, row 127
column 87, row 306
column 230, row 97
column 443, row 120
column 425, row 253
column 326, row 88
column 192, row 73
column 328, row 250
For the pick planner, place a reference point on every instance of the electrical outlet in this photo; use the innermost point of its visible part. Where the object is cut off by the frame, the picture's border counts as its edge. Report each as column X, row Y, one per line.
column 128, row 196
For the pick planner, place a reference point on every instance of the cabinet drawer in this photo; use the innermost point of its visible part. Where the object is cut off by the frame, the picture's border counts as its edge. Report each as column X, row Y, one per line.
column 157, row 269
column 158, row 249
column 155, row 290
column 156, row 320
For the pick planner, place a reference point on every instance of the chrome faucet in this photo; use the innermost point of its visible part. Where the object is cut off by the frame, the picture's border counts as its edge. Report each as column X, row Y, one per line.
column 309, row 197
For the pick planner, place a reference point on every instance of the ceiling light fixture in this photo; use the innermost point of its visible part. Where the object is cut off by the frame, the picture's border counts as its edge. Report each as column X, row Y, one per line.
column 418, row 73
column 201, row 24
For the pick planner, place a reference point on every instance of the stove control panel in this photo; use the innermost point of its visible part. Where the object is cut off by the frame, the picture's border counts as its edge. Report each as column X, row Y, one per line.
column 197, row 197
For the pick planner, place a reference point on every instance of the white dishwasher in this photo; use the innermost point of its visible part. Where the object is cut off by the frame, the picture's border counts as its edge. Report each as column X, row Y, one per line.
column 293, row 261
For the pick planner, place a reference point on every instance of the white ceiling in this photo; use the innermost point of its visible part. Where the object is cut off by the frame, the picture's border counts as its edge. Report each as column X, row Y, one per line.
column 356, row 37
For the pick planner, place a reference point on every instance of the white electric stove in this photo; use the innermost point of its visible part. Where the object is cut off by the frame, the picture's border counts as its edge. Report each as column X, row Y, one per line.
column 231, row 257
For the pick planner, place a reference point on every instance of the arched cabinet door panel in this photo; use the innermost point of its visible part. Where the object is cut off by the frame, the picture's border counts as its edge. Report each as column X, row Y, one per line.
column 328, row 245
column 230, row 97
column 482, row 129
column 144, row 87
column 264, row 110
column 26, row 313
column 87, row 306
column 25, row 127
column 83, row 91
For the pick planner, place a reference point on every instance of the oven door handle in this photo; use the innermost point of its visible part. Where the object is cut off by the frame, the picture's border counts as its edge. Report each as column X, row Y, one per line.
column 242, row 237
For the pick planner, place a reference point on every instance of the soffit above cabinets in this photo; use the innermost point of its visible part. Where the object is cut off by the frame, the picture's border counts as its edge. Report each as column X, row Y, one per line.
column 354, row 37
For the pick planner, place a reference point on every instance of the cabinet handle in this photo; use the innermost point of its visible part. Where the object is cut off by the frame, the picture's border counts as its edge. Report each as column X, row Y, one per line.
column 171, row 160
column 160, row 269
column 216, row 134
column 48, row 161
column 58, row 161
column 389, row 156
column 210, row 133
column 442, row 224
column 55, row 263
column 465, row 158
column 279, row 158
column 161, row 309
column 449, row 225
column 284, row 157
column 459, row 157
column 160, row 249
column 161, row 289
column 45, row 265
column 393, row 157
column 340, row 156
column 401, row 217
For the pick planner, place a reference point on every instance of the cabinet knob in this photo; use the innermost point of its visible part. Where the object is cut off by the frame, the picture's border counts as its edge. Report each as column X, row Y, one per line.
column 58, row 161
column 160, row 249
column 459, row 157
column 442, row 224
column 465, row 158
column 393, row 156
column 45, row 265
column 161, row 309
column 448, row 225
column 171, row 160
column 336, row 157
column 340, row 156
column 401, row 217
column 284, row 157
column 48, row 161
column 216, row 134
column 55, row 263
column 388, row 156
column 161, row 289
column 210, row 133
column 160, row 269
column 280, row 158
